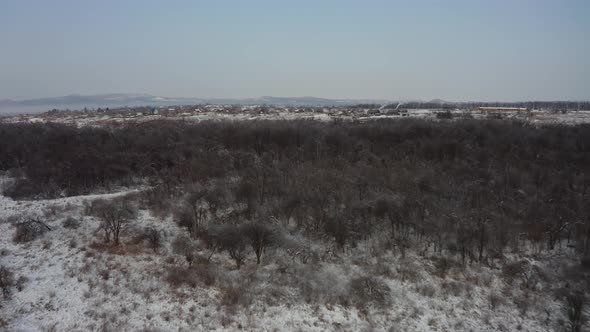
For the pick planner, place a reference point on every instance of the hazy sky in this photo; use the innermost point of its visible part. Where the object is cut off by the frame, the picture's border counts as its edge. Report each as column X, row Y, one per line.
column 455, row 50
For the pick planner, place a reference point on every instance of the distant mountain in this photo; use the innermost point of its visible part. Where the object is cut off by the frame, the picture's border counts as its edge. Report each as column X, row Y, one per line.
column 437, row 101
column 76, row 102
column 90, row 100
column 304, row 101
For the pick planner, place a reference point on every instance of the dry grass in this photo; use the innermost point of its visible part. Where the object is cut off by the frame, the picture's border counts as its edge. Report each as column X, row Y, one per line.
column 123, row 249
column 197, row 275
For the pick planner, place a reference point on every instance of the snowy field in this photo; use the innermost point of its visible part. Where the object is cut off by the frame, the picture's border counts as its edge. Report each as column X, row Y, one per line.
column 69, row 281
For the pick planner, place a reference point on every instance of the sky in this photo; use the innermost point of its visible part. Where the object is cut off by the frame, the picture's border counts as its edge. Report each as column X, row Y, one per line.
column 500, row 50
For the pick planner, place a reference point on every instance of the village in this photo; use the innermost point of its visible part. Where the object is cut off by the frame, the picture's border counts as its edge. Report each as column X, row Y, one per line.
column 361, row 112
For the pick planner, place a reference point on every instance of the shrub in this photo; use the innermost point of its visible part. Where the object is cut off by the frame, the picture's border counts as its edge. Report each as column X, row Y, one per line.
column 29, row 230
column 71, row 223
column 514, row 270
column 523, row 303
column 206, row 274
column 369, row 290
column 496, row 300
column 442, row 266
column 185, row 247
column 494, row 116
column 104, row 274
column 46, row 244
column 327, row 285
column 191, row 276
column 575, row 308
column 408, row 270
column 179, row 276
column 239, row 291
column 426, row 290
column 486, row 279
column 444, row 115
column 231, row 239
column 6, row 281
column 20, row 283
column 151, row 236
column 231, row 295
column 156, row 200
column 456, row 288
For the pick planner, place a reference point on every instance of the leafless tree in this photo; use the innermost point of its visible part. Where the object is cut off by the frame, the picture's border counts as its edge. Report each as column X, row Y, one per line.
column 261, row 236
column 114, row 215
column 232, row 239
column 193, row 212
column 154, row 238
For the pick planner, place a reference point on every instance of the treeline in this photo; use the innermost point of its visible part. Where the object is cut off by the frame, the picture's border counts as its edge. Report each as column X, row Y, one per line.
column 467, row 188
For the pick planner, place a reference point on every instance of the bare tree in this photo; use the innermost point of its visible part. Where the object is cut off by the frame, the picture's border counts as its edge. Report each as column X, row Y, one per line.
column 113, row 215
column 154, row 238
column 391, row 210
column 215, row 199
column 338, row 228
column 246, row 193
column 261, row 236
column 193, row 212
column 231, row 239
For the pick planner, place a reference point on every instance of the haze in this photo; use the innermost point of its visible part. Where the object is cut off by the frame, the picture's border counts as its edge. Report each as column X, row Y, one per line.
column 454, row 50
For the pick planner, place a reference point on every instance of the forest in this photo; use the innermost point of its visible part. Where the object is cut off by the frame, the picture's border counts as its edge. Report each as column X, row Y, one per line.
column 464, row 192
column 497, row 180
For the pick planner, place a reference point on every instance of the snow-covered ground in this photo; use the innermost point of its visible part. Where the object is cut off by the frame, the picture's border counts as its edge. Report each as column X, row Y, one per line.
column 74, row 283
